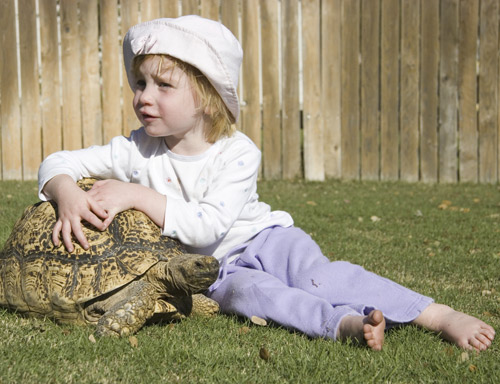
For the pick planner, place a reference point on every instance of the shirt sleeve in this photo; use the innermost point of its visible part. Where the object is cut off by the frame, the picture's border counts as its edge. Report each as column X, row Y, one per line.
column 231, row 190
column 103, row 162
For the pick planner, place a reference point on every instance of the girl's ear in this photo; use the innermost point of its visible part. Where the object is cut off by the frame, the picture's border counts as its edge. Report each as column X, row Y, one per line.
column 208, row 111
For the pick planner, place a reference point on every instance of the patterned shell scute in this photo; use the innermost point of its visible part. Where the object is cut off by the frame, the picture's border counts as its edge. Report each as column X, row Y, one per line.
column 126, row 249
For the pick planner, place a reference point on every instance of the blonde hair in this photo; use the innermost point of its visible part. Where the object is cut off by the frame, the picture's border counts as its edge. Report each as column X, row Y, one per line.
column 205, row 94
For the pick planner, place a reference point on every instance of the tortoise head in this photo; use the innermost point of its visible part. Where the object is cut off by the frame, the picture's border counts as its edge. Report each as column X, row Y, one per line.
column 188, row 274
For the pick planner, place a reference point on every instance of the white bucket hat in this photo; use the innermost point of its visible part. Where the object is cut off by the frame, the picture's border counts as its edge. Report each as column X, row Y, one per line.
column 205, row 44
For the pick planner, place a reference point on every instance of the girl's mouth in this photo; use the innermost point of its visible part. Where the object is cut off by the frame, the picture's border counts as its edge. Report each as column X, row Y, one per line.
column 148, row 117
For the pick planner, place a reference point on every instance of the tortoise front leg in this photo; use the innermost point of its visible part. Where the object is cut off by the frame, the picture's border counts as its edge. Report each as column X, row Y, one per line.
column 130, row 313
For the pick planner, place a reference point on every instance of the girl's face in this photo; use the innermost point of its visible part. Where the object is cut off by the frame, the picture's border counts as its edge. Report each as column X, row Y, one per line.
column 165, row 103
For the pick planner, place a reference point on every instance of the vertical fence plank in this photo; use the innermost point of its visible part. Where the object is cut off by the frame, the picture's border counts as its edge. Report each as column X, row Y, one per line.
column 429, row 90
column 169, row 8
column 150, row 10
column 129, row 18
column 111, row 95
column 30, row 107
column 229, row 14
column 190, row 7
column 292, row 162
column 271, row 108
column 448, row 92
column 331, row 84
column 90, row 77
column 350, row 89
column 10, row 108
column 229, row 10
column 488, row 92
column 314, row 161
column 51, row 98
column 467, row 90
column 370, row 85
column 70, row 61
column 409, row 92
column 250, row 111
column 210, row 9
column 389, row 83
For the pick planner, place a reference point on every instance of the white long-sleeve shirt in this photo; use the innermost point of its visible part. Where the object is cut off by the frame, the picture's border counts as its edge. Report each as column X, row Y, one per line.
column 212, row 202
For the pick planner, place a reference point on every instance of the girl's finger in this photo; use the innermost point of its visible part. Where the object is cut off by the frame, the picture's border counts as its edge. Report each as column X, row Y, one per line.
column 80, row 236
column 66, row 235
column 98, row 209
column 92, row 219
column 56, row 233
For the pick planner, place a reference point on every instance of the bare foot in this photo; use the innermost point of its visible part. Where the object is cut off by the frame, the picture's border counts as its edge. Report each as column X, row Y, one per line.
column 365, row 329
column 459, row 328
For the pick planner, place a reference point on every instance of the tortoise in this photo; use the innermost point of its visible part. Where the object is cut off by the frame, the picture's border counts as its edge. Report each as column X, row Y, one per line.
column 130, row 275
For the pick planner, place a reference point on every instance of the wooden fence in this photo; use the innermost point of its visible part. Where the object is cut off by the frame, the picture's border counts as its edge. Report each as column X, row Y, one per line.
column 352, row 89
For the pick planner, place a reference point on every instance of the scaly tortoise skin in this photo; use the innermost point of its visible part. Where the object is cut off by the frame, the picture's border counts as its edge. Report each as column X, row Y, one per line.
column 131, row 274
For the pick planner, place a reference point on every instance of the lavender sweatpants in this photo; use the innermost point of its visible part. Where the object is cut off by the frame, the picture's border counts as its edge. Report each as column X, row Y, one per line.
column 282, row 276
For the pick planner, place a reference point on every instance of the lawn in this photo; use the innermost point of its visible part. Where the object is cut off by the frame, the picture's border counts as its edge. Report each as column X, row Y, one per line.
column 441, row 240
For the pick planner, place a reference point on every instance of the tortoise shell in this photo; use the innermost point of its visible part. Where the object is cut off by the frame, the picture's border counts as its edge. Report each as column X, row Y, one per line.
column 38, row 277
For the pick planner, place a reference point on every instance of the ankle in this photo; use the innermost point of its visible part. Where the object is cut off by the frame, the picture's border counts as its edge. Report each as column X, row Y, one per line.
column 431, row 317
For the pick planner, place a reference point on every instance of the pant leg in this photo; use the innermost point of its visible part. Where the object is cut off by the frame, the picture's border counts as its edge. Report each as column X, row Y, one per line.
column 293, row 257
column 251, row 292
column 283, row 276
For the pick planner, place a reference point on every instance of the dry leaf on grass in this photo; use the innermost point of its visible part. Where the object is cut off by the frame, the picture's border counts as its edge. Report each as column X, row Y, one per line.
column 445, row 204
column 244, row 330
column 133, row 341
column 92, row 339
column 264, row 353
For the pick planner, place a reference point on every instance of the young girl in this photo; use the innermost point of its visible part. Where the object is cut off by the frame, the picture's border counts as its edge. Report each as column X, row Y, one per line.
column 195, row 177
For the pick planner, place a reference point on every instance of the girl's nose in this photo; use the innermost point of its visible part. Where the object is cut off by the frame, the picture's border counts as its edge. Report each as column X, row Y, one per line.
column 146, row 96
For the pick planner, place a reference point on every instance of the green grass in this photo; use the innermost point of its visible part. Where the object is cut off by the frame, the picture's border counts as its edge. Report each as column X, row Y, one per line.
column 394, row 229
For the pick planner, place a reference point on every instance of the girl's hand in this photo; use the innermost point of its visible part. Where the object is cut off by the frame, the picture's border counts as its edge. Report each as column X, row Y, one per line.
column 117, row 196
column 73, row 205
column 114, row 197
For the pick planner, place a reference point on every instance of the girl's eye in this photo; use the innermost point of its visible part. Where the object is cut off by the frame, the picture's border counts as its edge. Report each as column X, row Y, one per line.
column 140, row 84
column 165, row 85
